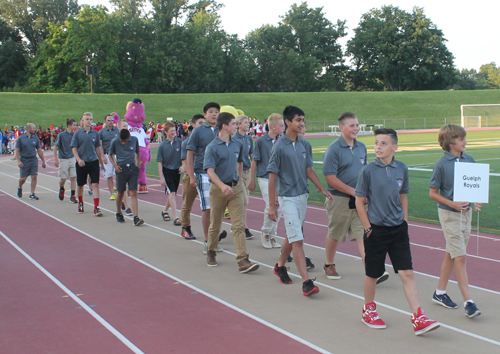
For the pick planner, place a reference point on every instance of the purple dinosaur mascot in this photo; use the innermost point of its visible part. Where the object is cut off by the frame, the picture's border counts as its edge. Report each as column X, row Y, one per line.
column 135, row 116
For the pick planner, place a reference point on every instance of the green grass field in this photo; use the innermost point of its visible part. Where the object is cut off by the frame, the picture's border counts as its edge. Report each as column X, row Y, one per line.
column 46, row 109
column 420, row 151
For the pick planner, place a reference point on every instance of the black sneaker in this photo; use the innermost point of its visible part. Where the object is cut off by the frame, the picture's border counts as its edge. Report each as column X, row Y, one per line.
column 308, row 288
column 471, row 310
column 222, row 235
column 289, row 259
column 61, row 193
column 444, row 300
column 119, row 217
column 123, row 206
column 309, row 264
column 20, row 192
column 248, row 234
column 137, row 221
column 282, row 273
column 33, row 197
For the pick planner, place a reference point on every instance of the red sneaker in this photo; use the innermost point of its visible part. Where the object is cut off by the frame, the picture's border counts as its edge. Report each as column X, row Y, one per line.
column 73, row 200
column 61, row 193
column 80, row 208
column 370, row 316
column 421, row 324
column 97, row 212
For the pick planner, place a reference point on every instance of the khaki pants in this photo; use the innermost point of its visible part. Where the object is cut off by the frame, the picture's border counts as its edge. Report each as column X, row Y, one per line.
column 218, row 203
column 245, row 178
column 189, row 194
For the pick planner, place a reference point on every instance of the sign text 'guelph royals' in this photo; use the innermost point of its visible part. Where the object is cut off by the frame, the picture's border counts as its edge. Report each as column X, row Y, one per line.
column 471, row 181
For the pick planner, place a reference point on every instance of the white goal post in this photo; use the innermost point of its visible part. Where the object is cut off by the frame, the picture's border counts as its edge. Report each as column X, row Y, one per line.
column 478, row 115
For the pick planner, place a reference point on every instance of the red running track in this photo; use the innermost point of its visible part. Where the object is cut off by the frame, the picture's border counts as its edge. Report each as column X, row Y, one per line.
column 145, row 306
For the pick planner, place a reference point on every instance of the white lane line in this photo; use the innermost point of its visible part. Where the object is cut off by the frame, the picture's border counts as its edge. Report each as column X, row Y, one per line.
column 248, row 314
column 87, row 308
column 455, row 329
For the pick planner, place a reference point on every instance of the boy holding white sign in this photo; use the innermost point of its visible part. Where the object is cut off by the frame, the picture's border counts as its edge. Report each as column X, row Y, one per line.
column 455, row 217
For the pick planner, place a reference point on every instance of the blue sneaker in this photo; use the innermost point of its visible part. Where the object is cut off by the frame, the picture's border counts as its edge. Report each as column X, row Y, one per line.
column 20, row 192
column 90, row 191
column 471, row 310
column 444, row 300
column 33, row 196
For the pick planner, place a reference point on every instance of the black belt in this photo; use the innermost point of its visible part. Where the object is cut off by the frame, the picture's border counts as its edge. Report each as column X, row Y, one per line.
column 231, row 184
column 127, row 164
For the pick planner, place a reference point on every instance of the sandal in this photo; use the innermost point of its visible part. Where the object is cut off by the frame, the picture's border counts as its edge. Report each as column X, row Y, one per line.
column 165, row 216
column 177, row 222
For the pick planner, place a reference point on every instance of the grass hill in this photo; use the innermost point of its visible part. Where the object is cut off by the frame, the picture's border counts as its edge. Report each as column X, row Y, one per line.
column 45, row 109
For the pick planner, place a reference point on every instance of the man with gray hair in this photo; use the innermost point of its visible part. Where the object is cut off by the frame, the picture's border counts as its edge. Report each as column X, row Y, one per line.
column 27, row 145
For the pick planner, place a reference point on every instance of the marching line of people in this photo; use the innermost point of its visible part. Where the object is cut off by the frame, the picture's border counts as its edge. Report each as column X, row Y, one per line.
column 219, row 163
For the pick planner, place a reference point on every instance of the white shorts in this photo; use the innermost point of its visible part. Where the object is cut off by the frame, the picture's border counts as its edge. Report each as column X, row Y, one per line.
column 110, row 169
column 294, row 213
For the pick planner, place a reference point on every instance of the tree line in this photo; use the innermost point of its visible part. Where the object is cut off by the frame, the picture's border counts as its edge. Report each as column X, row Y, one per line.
column 181, row 47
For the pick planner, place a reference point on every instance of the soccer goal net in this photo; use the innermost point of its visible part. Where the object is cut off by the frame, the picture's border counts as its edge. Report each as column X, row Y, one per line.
column 480, row 115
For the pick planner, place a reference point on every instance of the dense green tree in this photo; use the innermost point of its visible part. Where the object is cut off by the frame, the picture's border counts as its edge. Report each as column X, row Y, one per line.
column 89, row 39
column 404, row 51
column 32, row 17
column 302, row 53
column 490, row 76
column 12, row 57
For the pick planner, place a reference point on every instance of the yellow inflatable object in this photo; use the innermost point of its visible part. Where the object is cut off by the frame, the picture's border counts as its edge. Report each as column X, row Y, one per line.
column 240, row 112
column 229, row 109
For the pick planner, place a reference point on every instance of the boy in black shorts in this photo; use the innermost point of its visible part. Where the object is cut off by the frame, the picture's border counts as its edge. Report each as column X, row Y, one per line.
column 169, row 169
column 125, row 157
column 384, row 182
column 87, row 150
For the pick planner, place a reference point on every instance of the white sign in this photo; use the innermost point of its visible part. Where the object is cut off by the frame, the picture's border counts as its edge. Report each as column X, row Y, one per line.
column 170, row 119
column 472, row 182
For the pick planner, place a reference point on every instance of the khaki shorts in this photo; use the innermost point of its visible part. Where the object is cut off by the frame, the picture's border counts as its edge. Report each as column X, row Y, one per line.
column 245, row 178
column 456, row 231
column 342, row 220
column 67, row 168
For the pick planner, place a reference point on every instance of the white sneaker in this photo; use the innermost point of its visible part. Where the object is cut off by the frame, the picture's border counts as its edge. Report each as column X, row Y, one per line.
column 274, row 243
column 266, row 241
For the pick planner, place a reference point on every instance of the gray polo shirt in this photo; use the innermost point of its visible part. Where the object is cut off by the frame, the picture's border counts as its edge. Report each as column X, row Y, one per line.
column 63, row 143
column 184, row 149
column 345, row 162
column 382, row 184
column 247, row 142
column 28, row 146
column 106, row 135
column 86, row 143
column 169, row 153
column 125, row 153
column 443, row 175
column 261, row 154
column 289, row 160
column 200, row 138
column 224, row 158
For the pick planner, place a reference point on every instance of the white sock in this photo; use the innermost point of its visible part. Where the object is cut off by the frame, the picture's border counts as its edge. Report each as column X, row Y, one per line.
column 440, row 292
column 470, row 300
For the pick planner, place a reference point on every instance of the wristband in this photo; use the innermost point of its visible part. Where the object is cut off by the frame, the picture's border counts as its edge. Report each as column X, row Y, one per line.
column 368, row 230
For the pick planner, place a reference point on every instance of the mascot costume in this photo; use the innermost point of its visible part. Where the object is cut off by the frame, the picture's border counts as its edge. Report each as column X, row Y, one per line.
column 135, row 116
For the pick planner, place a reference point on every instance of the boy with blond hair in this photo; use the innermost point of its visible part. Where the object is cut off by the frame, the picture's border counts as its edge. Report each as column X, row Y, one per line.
column 262, row 153
column 247, row 143
column 455, row 217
